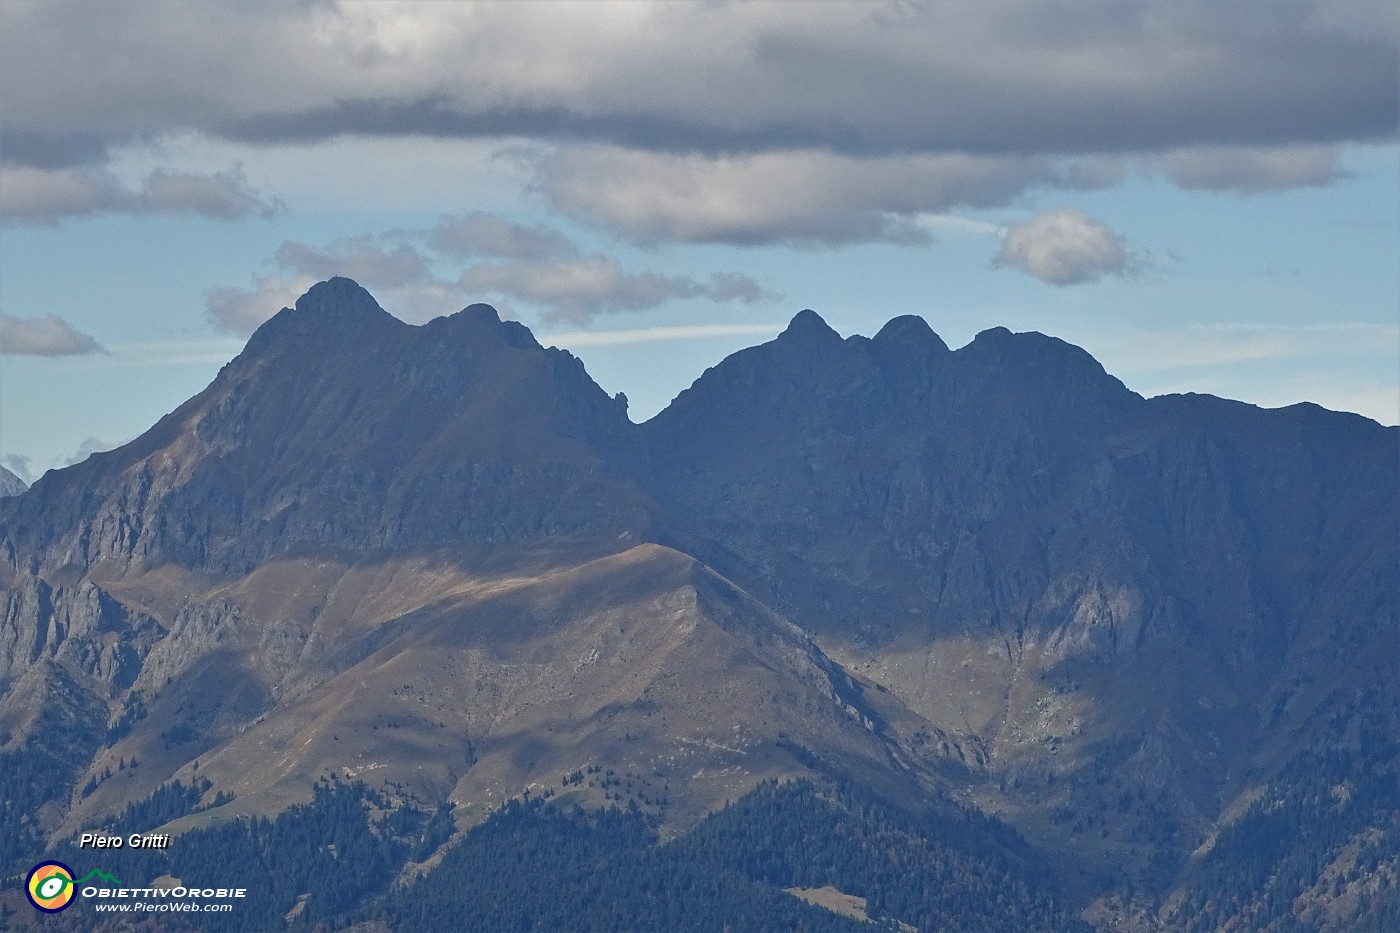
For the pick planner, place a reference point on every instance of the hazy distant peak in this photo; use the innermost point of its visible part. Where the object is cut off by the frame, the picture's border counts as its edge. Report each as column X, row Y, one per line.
column 910, row 330
column 10, row 484
column 808, row 324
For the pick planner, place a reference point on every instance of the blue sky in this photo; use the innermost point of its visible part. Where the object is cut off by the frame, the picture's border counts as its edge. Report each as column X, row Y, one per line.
column 1205, row 196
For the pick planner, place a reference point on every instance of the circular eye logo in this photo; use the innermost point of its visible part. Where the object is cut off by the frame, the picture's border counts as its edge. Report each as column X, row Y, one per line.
column 49, row 886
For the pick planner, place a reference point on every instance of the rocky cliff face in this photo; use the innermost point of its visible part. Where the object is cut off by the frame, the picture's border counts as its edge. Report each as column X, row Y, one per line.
column 10, row 484
column 442, row 556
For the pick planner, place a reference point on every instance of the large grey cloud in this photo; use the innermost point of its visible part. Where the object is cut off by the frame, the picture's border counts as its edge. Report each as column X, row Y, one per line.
column 997, row 78
column 47, row 335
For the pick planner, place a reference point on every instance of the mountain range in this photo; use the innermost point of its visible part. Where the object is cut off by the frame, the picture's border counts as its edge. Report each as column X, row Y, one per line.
column 1151, row 642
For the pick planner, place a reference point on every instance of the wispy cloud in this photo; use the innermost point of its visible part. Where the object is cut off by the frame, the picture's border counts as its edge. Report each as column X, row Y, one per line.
column 20, row 465
column 1252, row 169
column 536, row 265
column 1200, row 346
column 33, row 195
column 47, row 335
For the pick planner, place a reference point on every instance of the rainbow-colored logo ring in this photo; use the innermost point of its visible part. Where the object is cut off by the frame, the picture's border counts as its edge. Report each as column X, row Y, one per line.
column 50, row 887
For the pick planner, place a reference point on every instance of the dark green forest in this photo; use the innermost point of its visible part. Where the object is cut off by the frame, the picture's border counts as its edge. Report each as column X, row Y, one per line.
column 536, row 866
column 1324, row 825
column 1331, row 818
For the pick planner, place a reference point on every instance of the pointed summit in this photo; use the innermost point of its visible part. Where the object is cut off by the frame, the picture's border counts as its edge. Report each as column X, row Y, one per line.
column 334, row 309
column 808, row 325
column 912, row 331
column 338, row 296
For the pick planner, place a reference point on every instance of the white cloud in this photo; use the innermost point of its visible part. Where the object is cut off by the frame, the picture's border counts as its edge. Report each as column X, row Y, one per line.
column 359, row 258
column 21, row 466
column 87, row 448
column 539, row 265
column 240, row 311
column 48, row 335
column 796, row 197
column 46, row 196
column 1250, row 170
column 579, row 289
column 1223, row 344
column 481, row 233
column 1065, row 247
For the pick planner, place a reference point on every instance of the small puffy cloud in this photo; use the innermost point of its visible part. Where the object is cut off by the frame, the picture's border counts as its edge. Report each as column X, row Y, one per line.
column 1065, row 247
column 481, row 233
column 48, row 335
column 87, row 448
column 45, row 196
column 1251, row 170
column 576, row 290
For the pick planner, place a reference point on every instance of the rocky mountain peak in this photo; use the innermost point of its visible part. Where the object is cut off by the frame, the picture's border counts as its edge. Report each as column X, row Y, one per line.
column 335, row 310
column 1033, row 364
column 910, row 330
column 10, row 484
column 481, row 323
column 339, row 425
column 808, row 325
column 341, row 301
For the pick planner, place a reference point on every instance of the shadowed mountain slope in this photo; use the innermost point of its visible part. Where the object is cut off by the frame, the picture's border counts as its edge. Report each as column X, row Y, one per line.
column 1099, row 593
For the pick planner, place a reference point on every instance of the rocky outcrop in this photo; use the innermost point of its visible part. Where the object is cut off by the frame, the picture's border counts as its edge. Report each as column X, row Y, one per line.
column 10, row 484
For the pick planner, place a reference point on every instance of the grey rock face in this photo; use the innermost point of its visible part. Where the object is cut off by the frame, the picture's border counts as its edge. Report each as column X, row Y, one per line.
column 10, row 484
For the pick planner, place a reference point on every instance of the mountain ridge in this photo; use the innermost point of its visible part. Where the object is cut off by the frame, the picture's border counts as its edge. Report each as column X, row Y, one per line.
column 992, row 575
